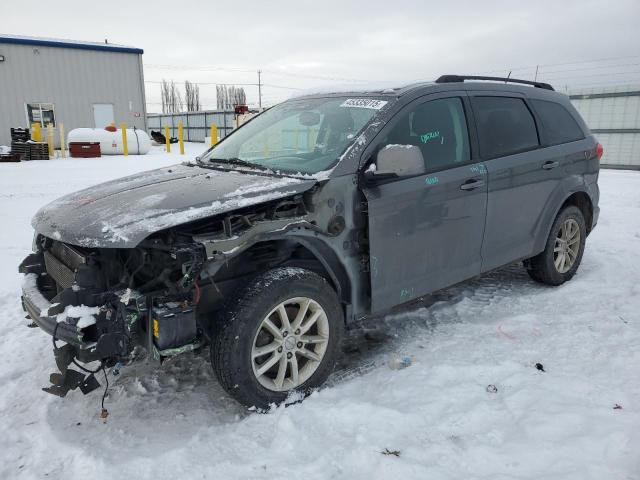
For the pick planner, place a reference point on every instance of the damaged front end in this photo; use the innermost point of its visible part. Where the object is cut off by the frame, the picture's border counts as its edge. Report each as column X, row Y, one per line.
column 104, row 303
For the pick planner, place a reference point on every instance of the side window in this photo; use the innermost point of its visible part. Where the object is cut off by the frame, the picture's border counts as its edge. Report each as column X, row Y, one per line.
column 505, row 126
column 559, row 125
column 438, row 128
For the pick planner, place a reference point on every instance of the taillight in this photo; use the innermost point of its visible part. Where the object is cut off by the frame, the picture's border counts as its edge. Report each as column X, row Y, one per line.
column 599, row 151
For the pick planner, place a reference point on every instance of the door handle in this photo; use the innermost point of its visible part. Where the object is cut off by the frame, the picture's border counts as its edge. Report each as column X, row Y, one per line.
column 550, row 165
column 471, row 184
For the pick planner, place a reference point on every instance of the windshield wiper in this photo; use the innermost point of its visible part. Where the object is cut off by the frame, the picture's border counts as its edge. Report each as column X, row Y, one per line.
column 238, row 161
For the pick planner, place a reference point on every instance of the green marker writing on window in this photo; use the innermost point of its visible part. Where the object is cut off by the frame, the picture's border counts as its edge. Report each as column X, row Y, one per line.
column 429, row 136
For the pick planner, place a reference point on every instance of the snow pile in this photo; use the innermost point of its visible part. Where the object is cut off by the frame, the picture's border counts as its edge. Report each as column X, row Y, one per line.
column 84, row 314
column 30, row 287
column 577, row 418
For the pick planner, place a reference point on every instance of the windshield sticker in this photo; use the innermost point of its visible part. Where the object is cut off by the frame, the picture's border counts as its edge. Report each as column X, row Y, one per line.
column 364, row 103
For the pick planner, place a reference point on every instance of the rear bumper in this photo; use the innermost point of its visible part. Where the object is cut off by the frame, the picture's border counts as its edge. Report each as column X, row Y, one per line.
column 47, row 315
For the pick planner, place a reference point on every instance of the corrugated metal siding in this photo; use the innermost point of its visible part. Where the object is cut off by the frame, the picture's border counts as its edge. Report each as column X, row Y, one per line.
column 613, row 115
column 71, row 79
column 196, row 125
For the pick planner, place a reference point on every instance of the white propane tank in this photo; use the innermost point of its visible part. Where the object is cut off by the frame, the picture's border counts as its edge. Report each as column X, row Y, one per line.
column 138, row 141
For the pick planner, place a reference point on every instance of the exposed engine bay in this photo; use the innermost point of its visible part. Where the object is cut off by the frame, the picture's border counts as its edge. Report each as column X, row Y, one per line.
column 106, row 302
column 110, row 304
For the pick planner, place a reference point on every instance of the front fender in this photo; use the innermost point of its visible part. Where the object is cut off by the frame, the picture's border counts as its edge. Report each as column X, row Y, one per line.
column 343, row 271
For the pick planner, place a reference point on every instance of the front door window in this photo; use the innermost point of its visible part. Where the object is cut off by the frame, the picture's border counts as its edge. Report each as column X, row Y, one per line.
column 439, row 129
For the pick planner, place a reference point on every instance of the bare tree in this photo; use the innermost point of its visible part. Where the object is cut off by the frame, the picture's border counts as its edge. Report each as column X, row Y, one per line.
column 222, row 97
column 171, row 98
column 192, row 96
column 237, row 96
column 229, row 97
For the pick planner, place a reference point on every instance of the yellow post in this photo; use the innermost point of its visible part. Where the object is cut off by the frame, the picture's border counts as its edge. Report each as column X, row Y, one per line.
column 166, row 139
column 63, row 152
column 125, row 146
column 181, row 138
column 50, row 139
column 36, row 132
column 214, row 134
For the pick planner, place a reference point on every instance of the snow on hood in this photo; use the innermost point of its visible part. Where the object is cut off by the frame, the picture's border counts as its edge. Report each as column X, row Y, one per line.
column 123, row 212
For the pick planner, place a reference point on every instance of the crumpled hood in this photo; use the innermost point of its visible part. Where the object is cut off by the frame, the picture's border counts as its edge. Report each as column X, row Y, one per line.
column 123, row 212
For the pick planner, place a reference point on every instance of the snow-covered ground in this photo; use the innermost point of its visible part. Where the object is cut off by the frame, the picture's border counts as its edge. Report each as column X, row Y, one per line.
column 437, row 414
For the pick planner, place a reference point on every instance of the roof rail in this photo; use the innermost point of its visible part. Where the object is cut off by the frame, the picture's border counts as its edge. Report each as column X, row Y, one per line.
column 462, row 78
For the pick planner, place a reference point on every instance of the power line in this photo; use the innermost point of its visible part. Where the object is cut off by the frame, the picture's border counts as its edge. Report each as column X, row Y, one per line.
column 159, row 82
column 314, row 77
column 531, row 67
column 591, row 75
column 199, row 68
column 596, row 67
column 343, row 79
column 589, row 61
column 207, row 68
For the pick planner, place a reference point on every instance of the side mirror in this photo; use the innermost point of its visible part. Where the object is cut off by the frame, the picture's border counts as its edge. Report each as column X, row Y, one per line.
column 395, row 161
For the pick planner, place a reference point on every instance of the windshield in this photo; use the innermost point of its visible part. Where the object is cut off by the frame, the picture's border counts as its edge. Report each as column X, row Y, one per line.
column 305, row 136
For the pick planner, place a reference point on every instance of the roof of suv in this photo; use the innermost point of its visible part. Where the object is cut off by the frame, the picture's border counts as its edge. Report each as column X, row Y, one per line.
column 444, row 83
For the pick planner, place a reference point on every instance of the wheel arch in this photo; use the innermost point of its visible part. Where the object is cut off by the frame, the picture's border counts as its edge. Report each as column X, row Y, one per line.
column 297, row 251
column 333, row 267
column 583, row 202
column 579, row 198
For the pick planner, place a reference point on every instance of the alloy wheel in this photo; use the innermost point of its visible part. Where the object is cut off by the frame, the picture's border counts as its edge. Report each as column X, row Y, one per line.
column 290, row 344
column 567, row 246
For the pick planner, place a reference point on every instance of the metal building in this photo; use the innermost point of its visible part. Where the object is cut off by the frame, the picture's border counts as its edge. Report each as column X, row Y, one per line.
column 613, row 115
column 79, row 84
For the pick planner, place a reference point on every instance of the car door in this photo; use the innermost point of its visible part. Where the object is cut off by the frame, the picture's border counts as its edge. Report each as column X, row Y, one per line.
column 521, row 175
column 425, row 231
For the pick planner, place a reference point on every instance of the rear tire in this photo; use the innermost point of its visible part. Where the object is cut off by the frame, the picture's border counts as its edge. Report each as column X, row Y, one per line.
column 563, row 252
column 280, row 334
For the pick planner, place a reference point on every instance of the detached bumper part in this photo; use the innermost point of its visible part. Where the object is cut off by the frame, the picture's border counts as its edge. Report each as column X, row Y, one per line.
column 68, row 379
column 44, row 314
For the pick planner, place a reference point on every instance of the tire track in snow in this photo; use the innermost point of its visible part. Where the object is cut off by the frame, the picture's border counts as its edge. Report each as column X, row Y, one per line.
column 371, row 343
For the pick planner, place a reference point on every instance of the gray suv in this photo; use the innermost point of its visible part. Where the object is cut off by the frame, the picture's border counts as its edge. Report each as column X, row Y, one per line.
column 320, row 211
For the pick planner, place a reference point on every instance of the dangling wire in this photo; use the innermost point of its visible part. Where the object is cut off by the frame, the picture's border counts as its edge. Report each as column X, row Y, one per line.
column 106, row 388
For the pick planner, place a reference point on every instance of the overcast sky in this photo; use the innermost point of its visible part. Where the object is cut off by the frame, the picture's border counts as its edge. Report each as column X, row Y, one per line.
column 306, row 44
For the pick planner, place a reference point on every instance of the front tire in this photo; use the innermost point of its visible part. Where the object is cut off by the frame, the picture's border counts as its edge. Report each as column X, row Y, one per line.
column 562, row 255
column 280, row 334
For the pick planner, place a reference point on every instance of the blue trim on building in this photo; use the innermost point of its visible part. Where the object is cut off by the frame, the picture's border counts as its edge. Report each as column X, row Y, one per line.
column 69, row 44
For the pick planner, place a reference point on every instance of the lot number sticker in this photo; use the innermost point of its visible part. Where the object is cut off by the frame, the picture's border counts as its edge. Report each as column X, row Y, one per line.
column 364, row 103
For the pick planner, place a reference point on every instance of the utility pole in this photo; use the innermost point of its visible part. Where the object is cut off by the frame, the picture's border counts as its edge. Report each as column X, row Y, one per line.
column 259, row 90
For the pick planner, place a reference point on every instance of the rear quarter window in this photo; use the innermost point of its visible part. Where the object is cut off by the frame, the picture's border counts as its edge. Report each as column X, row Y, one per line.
column 559, row 125
column 505, row 126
